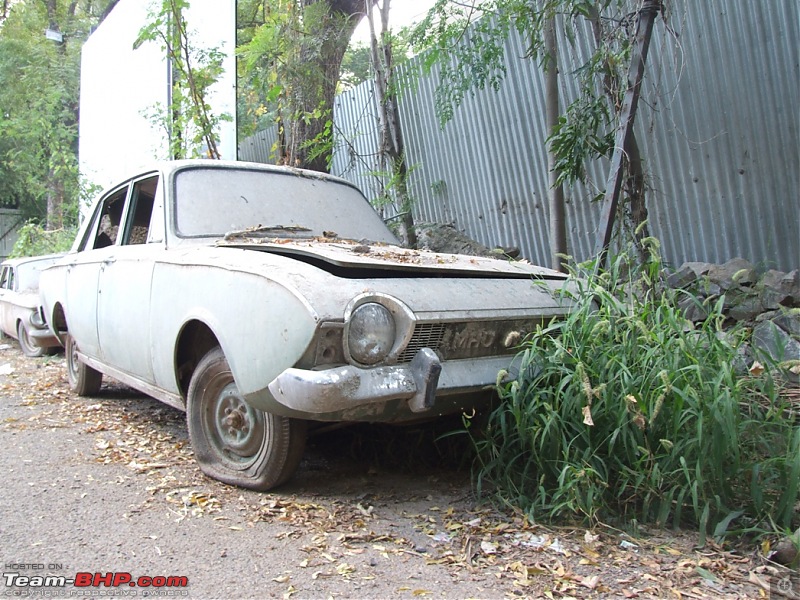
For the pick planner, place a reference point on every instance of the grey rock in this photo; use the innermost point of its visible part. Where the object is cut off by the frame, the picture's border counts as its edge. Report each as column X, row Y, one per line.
column 688, row 273
column 736, row 271
column 446, row 238
column 747, row 310
column 768, row 316
column 773, row 340
column 734, row 297
column 773, row 299
column 791, row 285
column 789, row 321
column 771, row 279
column 693, row 310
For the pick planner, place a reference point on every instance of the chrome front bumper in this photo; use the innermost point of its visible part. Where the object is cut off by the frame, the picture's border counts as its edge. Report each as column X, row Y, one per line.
column 343, row 388
column 39, row 333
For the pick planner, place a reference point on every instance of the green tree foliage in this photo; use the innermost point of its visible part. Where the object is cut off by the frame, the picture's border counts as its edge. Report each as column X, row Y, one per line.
column 35, row 240
column 357, row 62
column 465, row 41
column 291, row 53
column 38, row 119
column 39, row 93
column 189, row 121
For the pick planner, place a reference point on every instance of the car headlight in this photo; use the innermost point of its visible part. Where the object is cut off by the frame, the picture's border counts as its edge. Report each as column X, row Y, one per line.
column 371, row 333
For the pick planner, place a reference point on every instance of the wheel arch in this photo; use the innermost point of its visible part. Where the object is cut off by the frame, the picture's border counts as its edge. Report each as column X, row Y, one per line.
column 58, row 323
column 195, row 340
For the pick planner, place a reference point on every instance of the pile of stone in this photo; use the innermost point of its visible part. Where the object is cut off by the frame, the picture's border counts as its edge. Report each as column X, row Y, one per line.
column 768, row 302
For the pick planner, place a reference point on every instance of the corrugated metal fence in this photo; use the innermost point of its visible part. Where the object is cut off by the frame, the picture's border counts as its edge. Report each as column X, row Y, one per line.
column 718, row 128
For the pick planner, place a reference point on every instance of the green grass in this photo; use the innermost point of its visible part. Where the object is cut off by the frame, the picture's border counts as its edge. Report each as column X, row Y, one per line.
column 627, row 412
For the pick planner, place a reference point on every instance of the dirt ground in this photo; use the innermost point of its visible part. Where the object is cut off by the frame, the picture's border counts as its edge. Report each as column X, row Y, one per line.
column 108, row 485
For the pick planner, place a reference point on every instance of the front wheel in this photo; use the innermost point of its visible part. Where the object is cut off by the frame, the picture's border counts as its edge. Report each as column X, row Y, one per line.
column 234, row 442
column 29, row 349
column 83, row 379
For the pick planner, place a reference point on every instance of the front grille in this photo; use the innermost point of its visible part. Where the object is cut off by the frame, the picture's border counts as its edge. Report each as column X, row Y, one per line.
column 426, row 335
column 471, row 339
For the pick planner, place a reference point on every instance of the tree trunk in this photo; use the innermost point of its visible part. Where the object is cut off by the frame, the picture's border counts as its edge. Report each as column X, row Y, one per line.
column 627, row 114
column 392, row 150
column 55, row 184
column 343, row 17
column 55, row 202
column 558, row 227
column 632, row 160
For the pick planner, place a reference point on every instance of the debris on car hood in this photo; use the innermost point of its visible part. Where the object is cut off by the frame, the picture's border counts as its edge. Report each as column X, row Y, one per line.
column 366, row 254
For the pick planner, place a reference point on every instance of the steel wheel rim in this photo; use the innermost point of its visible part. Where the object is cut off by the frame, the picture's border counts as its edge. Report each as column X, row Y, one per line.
column 72, row 363
column 25, row 340
column 235, row 429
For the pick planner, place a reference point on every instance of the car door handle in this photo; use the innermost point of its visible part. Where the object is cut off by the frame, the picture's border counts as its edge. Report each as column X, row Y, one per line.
column 109, row 260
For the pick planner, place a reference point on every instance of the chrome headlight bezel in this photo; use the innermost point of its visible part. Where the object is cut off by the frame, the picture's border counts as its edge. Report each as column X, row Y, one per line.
column 399, row 313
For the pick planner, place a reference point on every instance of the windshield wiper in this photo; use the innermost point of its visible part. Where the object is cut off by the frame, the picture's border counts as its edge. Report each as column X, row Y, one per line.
column 265, row 230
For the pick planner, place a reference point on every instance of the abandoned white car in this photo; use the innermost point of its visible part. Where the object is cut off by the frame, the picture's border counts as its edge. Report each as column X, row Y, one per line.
column 19, row 304
column 261, row 298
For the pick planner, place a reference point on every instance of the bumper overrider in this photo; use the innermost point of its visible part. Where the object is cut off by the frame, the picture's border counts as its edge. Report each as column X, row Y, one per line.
column 342, row 388
column 39, row 333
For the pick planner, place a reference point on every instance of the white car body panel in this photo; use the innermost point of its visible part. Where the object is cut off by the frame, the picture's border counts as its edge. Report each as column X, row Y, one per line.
column 276, row 296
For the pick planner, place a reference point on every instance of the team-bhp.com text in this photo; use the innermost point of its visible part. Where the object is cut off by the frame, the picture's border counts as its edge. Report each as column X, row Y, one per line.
column 94, row 580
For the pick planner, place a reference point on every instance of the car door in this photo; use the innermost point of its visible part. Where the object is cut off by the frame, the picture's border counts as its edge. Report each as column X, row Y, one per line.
column 125, row 279
column 6, row 316
column 83, row 271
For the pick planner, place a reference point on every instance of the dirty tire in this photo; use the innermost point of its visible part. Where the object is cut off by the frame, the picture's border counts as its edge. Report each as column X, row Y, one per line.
column 29, row 349
column 234, row 442
column 83, row 379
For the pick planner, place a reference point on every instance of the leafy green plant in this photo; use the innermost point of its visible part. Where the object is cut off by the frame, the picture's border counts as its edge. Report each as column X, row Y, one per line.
column 289, row 59
column 189, row 121
column 35, row 240
column 625, row 410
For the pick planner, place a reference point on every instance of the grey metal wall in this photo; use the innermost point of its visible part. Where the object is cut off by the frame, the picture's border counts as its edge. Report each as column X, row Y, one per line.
column 718, row 126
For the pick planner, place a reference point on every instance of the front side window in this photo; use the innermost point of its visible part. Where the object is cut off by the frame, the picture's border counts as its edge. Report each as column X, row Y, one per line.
column 106, row 221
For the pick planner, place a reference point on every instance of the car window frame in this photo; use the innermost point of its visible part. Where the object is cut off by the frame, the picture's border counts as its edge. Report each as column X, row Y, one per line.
column 6, row 275
column 90, row 236
column 129, row 211
column 87, row 241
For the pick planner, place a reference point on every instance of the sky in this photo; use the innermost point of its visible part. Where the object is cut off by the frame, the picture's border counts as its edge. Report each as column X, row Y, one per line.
column 401, row 12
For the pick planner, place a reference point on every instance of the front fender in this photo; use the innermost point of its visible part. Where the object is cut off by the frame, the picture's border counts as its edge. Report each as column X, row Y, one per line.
column 263, row 327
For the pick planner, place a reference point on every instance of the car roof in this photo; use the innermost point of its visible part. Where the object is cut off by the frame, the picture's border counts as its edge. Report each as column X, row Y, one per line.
column 15, row 262
column 171, row 166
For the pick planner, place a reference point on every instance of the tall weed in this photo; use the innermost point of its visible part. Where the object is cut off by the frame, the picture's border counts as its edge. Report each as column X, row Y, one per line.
column 626, row 411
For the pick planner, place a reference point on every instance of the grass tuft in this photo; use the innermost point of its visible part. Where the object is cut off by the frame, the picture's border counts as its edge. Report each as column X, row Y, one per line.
column 626, row 411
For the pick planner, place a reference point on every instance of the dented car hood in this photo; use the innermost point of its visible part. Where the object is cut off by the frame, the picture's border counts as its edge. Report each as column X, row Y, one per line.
column 343, row 256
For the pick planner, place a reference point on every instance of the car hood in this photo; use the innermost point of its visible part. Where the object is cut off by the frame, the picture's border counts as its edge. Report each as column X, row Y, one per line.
column 346, row 258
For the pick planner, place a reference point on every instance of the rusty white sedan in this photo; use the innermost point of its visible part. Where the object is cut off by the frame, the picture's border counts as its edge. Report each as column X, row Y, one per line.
column 262, row 299
column 19, row 304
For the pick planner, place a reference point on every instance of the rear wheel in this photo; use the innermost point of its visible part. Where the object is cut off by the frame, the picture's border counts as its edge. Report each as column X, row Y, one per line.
column 29, row 349
column 83, row 379
column 233, row 441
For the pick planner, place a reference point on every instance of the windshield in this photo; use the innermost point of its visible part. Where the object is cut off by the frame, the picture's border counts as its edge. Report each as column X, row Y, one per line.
column 212, row 202
column 28, row 273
